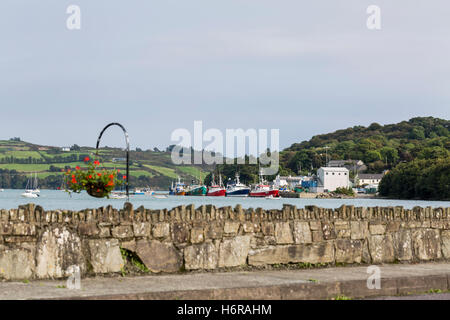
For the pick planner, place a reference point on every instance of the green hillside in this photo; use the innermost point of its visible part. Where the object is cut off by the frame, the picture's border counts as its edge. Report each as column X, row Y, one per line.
column 380, row 147
column 19, row 159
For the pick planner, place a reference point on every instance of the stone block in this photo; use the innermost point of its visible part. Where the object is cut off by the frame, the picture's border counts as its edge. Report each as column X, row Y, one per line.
column 402, row 245
column 141, row 229
column 123, row 231
column 328, row 231
column 234, row 252
column 231, row 227
column 314, row 253
column 377, row 229
column 180, row 232
column 268, row 228
column 349, row 251
column 445, row 235
column 58, row 249
column 88, row 229
column 248, row 227
column 381, row 248
column 426, row 244
column 104, row 232
column 197, row 235
column 16, row 263
column 214, row 230
column 317, row 236
column 201, row 256
column 105, row 255
column 315, row 225
column 283, row 233
column 302, row 233
column 359, row 229
column 158, row 256
column 161, row 230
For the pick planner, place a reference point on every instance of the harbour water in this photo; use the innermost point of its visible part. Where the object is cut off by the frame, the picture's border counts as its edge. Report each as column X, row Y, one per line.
column 54, row 199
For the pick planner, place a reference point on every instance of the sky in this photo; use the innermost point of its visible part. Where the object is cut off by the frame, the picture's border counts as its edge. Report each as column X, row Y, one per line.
column 303, row 67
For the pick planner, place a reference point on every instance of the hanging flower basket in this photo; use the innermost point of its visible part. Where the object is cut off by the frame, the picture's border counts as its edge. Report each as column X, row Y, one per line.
column 97, row 182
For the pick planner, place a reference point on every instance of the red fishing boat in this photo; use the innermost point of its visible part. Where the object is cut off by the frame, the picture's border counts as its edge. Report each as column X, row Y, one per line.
column 216, row 190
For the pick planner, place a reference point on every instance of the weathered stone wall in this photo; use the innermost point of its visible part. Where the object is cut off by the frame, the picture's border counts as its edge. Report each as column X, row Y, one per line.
column 47, row 244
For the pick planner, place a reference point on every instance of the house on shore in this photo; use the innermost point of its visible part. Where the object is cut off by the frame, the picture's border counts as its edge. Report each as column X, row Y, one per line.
column 351, row 165
column 369, row 179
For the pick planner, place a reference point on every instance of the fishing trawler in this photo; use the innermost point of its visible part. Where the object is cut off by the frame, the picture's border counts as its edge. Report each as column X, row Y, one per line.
column 263, row 190
column 179, row 189
column 196, row 190
column 237, row 189
column 216, row 190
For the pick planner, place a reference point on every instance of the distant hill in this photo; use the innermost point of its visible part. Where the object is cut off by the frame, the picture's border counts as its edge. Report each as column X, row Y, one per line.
column 18, row 159
column 380, row 147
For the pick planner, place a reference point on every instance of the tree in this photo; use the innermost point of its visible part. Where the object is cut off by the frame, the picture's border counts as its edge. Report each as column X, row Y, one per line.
column 418, row 179
column 417, row 133
column 389, row 155
column 372, row 156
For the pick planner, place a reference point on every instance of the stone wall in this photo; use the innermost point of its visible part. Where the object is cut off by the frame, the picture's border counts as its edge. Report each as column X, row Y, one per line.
column 47, row 244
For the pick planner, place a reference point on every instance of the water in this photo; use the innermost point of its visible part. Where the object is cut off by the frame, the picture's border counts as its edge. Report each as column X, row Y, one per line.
column 53, row 199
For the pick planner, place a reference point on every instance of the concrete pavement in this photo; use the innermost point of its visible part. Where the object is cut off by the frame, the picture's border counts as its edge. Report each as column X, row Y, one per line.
column 325, row 283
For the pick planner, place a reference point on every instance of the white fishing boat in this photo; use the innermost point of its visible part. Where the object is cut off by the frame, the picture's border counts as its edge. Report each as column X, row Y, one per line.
column 1, row 190
column 237, row 189
column 143, row 191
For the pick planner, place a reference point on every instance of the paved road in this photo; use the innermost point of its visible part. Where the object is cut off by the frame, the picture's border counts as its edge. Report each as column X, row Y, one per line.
column 326, row 283
column 431, row 296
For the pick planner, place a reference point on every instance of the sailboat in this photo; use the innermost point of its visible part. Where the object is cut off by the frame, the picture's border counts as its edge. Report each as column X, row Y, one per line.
column 32, row 185
column 31, row 190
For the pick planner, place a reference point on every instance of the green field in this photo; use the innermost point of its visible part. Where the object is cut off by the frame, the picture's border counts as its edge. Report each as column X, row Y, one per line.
column 163, row 170
column 149, row 167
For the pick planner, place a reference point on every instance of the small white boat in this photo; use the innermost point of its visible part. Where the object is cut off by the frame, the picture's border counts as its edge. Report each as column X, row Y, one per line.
column 143, row 191
column 160, row 196
column 271, row 197
column 1, row 190
column 29, row 195
column 117, row 196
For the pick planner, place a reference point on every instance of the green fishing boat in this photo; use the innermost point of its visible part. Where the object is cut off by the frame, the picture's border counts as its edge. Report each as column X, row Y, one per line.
column 196, row 191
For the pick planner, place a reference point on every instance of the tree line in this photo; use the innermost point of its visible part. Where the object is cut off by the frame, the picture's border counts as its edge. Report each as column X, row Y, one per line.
column 427, row 179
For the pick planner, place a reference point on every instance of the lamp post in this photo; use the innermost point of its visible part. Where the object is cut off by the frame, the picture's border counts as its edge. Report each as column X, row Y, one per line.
column 127, row 141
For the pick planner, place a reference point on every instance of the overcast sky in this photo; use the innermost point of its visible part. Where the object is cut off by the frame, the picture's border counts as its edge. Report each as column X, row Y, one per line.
column 304, row 67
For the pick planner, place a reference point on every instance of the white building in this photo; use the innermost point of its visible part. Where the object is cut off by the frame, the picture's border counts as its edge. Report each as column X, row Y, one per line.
column 331, row 178
column 369, row 179
column 287, row 181
column 65, row 149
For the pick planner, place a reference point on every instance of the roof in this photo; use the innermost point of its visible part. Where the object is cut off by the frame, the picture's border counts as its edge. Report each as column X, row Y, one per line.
column 333, row 163
column 335, row 169
column 370, row 176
